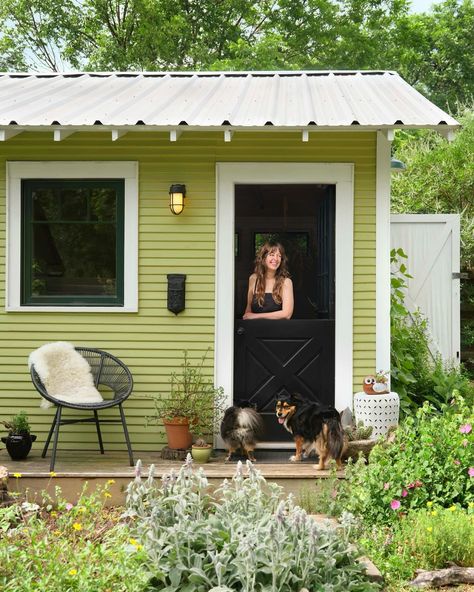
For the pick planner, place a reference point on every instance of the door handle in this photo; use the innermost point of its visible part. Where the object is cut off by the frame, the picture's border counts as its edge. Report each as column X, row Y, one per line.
column 240, row 331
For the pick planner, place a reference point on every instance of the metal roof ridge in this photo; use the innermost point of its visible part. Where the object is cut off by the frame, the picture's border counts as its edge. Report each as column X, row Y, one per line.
column 202, row 73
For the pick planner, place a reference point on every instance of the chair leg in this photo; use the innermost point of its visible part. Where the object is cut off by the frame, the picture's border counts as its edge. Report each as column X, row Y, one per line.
column 48, row 439
column 127, row 438
column 56, row 435
column 99, row 435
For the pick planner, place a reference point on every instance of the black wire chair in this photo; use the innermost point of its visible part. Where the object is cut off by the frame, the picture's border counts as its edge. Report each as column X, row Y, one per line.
column 107, row 370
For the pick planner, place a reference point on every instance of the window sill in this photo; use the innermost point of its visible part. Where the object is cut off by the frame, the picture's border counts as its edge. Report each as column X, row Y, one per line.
column 59, row 308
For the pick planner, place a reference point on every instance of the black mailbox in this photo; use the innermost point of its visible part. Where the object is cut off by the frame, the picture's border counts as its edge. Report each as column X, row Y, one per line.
column 176, row 292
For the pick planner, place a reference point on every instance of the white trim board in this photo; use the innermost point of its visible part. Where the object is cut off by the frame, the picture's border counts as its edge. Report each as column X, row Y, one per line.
column 227, row 176
column 19, row 170
column 382, row 246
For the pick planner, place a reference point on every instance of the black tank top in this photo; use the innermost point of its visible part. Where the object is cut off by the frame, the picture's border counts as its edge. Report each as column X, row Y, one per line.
column 269, row 305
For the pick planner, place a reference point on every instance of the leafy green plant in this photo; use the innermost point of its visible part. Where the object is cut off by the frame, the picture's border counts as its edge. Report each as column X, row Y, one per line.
column 192, row 396
column 358, row 432
column 430, row 459
column 430, row 538
column 57, row 545
column 18, row 424
column 245, row 538
column 437, row 537
column 416, row 375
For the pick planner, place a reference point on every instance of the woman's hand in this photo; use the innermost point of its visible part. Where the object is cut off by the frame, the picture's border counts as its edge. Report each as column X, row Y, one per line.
column 251, row 315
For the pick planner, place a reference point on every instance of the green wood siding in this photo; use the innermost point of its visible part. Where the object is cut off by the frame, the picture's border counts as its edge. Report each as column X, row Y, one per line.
column 151, row 341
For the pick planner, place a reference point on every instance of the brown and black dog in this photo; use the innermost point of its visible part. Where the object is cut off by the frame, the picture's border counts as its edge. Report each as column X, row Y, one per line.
column 314, row 427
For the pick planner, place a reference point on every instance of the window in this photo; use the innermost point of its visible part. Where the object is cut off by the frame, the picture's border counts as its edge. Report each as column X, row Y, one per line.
column 67, row 224
column 72, row 242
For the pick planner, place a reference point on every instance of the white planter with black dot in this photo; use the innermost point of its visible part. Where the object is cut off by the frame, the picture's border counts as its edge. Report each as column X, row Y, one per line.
column 379, row 411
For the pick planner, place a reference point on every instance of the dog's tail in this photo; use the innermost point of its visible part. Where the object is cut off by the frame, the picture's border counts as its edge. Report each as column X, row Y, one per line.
column 335, row 437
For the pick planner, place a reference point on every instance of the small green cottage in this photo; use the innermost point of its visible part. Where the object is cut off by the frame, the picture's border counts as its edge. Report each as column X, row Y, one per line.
column 110, row 183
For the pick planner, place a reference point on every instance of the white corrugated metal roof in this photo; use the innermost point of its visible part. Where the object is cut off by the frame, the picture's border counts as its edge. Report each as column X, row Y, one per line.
column 283, row 100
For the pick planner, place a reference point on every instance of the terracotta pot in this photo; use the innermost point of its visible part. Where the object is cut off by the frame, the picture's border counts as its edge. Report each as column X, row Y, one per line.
column 201, row 454
column 177, row 432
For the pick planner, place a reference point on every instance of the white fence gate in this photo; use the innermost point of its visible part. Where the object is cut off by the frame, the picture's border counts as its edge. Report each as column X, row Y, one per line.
column 431, row 242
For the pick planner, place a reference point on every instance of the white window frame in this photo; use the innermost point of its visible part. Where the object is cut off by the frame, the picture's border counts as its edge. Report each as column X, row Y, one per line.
column 17, row 171
column 342, row 176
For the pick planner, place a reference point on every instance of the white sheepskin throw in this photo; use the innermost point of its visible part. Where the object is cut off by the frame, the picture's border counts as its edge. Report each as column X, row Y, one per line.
column 65, row 374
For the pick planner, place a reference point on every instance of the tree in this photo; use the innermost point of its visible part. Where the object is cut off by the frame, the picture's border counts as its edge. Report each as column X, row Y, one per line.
column 436, row 52
column 439, row 178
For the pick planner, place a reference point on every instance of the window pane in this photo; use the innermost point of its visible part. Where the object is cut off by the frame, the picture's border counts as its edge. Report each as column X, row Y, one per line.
column 74, row 203
column 74, row 259
column 73, row 242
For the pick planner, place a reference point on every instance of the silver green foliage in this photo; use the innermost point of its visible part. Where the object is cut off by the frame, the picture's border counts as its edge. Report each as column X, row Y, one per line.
column 244, row 537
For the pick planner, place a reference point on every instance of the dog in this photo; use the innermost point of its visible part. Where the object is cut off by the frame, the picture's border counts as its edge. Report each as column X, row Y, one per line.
column 241, row 428
column 314, row 428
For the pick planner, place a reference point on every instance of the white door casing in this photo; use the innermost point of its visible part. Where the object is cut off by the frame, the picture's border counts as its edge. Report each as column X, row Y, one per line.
column 227, row 176
column 431, row 242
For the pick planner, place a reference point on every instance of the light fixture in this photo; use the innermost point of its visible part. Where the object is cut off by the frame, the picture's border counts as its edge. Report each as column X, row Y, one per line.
column 397, row 166
column 177, row 195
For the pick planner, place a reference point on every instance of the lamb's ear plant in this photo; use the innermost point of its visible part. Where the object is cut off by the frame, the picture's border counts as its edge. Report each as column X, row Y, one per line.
column 245, row 536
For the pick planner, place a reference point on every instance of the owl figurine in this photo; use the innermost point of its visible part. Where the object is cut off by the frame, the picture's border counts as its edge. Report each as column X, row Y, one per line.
column 375, row 385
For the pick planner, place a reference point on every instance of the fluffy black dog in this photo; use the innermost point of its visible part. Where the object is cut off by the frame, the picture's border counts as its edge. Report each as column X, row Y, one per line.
column 313, row 427
column 241, row 428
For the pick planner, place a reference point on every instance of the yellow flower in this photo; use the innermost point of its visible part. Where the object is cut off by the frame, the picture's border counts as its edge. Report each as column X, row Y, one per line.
column 77, row 526
column 133, row 542
column 453, row 508
column 17, row 475
column 110, row 481
column 429, row 528
column 434, row 513
column 429, row 504
column 54, row 514
column 107, row 494
column 52, row 474
column 72, row 572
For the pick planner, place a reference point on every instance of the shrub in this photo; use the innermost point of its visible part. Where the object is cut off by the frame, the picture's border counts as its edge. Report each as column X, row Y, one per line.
column 68, row 547
column 437, row 537
column 416, row 376
column 246, row 538
column 430, row 459
column 431, row 538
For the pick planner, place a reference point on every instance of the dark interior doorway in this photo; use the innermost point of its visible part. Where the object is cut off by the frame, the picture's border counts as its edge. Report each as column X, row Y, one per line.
column 301, row 217
column 273, row 358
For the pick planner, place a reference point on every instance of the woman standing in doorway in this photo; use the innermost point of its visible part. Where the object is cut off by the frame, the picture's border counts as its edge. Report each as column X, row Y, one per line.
column 270, row 293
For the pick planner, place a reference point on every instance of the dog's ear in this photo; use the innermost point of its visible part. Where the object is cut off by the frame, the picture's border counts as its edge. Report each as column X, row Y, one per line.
column 297, row 398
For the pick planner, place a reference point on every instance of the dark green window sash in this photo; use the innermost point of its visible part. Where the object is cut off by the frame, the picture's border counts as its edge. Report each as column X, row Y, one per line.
column 27, row 221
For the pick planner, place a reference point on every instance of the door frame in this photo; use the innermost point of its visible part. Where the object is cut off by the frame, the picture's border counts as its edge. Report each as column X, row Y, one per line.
column 229, row 174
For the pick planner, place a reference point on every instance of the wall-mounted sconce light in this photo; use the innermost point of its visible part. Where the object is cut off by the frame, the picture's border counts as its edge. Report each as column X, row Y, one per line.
column 177, row 195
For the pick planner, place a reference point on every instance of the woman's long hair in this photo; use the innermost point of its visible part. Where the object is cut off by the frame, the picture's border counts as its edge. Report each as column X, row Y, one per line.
column 260, row 269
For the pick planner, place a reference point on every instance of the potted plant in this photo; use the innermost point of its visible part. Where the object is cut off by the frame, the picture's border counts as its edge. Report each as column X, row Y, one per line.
column 358, row 440
column 192, row 407
column 19, row 439
column 201, row 450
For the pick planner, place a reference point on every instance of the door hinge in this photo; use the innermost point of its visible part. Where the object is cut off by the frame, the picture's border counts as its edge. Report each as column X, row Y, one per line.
column 457, row 275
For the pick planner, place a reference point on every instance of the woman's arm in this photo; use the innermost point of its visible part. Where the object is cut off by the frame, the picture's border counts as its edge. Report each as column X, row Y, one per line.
column 287, row 305
column 250, row 293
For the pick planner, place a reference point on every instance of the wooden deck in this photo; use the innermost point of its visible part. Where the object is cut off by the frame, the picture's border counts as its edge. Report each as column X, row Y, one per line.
column 73, row 469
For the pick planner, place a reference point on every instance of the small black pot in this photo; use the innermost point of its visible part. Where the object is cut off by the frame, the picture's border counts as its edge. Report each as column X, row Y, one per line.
column 18, row 445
